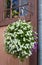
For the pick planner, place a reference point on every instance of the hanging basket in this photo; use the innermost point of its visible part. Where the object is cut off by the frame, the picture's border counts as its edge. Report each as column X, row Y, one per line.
column 19, row 39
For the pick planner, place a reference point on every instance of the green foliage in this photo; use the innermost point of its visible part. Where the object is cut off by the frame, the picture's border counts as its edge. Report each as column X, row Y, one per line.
column 14, row 12
column 19, row 39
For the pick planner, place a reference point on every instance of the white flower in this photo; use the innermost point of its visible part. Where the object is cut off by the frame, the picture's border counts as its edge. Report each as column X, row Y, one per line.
column 24, row 28
column 16, row 29
column 32, row 38
column 29, row 38
column 27, row 34
column 19, row 43
column 30, row 47
column 19, row 49
column 20, row 32
column 25, row 47
column 13, row 46
column 26, row 56
column 18, row 23
column 32, row 44
column 30, row 53
column 9, row 50
column 35, row 33
column 8, row 37
column 15, row 34
column 28, row 26
column 19, row 20
column 13, row 52
column 16, row 45
column 18, row 56
column 8, row 42
column 25, row 52
column 15, row 41
column 30, row 34
column 21, row 35
column 12, row 27
column 21, row 46
column 24, row 39
column 10, row 45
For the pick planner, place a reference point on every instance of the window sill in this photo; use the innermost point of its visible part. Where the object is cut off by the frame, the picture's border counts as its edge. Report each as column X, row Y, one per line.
column 7, row 21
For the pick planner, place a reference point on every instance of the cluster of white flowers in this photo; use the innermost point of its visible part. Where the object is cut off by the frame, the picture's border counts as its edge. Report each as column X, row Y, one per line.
column 19, row 39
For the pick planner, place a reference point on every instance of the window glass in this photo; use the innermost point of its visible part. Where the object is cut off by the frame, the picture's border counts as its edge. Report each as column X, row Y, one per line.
column 23, row 9
column 16, row 8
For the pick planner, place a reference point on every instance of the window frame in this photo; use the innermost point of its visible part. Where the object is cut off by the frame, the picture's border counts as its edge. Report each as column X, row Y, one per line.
column 29, row 12
column 33, row 16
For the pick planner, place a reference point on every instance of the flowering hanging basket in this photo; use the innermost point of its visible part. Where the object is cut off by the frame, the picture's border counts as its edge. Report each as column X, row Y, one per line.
column 19, row 39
